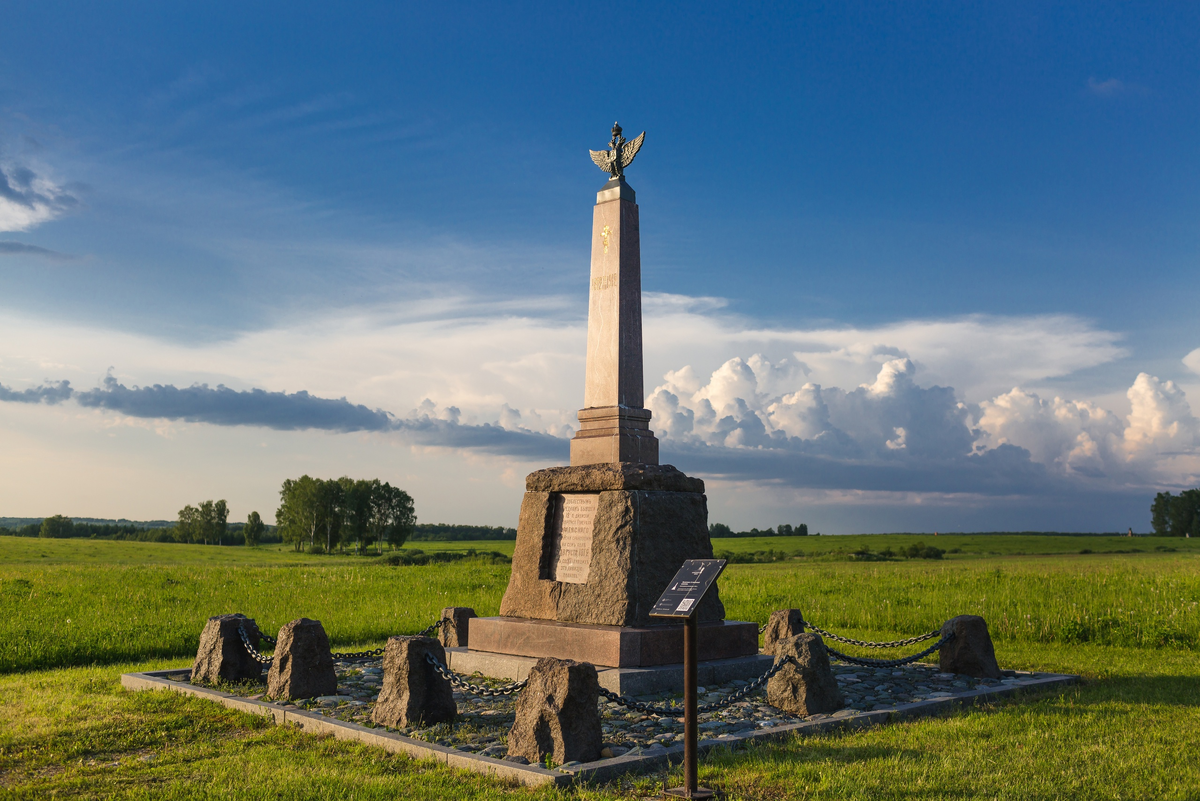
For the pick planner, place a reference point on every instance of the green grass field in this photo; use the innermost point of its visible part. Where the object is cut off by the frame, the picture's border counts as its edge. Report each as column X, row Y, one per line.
column 74, row 615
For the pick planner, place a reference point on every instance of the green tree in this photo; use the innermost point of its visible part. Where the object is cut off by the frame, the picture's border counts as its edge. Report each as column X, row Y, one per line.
column 330, row 497
column 1176, row 515
column 356, row 510
column 802, row 530
column 220, row 521
column 719, row 530
column 188, row 527
column 57, row 526
column 253, row 530
column 784, row 530
column 393, row 515
column 297, row 515
column 1160, row 514
column 207, row 521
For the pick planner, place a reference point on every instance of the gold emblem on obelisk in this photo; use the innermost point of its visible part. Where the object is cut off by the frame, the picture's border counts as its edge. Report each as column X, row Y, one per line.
column 604, row 237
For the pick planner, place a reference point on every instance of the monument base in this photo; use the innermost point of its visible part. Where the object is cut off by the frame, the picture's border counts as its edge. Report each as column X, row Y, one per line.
column 598, row 544
column 610, row 646
column 624, row 681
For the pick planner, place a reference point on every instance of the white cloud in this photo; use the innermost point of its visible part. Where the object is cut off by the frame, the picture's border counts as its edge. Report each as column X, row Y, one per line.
column 909, row 407
column 28, row 199
column 1161, row 420
column 1192, row 361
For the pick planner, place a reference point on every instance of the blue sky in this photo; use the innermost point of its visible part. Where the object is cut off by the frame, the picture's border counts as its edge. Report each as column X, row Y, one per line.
column 391, row 205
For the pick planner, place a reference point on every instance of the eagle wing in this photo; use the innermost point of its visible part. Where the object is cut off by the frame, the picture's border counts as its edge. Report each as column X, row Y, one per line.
column 630, row 150
column 603, row 159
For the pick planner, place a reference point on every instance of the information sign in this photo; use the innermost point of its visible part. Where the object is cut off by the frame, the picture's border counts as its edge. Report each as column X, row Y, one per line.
column 683, row 594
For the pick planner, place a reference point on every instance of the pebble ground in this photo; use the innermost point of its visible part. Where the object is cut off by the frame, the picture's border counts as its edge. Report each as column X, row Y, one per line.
column 483, row 722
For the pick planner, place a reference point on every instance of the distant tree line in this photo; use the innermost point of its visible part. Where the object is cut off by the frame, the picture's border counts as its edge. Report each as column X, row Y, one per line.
column 1176, row 515
column 443, row 532
column 323, row 514
column 782, row 530
column 204, row 523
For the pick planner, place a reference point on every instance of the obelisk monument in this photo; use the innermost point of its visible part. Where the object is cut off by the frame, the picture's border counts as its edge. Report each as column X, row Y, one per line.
column 599, row 540
column 614, row 426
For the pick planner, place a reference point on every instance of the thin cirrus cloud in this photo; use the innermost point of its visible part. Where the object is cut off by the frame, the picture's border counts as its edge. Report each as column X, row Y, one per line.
column 9, row 248
column 28, row 199
column 1113, row 87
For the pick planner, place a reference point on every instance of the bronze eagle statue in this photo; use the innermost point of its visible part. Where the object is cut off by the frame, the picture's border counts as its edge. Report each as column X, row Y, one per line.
column 620, row 155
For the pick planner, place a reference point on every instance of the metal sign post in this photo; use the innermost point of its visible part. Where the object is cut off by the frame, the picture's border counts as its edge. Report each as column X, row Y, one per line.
column 681, row 599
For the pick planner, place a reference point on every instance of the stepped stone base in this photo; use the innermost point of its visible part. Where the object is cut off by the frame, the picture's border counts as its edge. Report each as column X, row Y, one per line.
column 626, row 681
column 610, row 646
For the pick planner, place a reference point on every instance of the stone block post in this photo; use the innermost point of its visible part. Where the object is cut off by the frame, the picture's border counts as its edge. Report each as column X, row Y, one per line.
column 303, row 666
column 557, row 713
column 222, row 656
column 807, row 685
column 970, row 652
column 784, row 623
column 413, row 692
column 454, row 629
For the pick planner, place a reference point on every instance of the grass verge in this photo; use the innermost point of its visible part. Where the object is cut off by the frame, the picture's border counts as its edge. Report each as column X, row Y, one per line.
column 1128, row 733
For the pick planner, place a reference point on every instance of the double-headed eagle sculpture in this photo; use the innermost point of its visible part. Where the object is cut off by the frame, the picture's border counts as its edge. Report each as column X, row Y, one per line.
column 620, row 156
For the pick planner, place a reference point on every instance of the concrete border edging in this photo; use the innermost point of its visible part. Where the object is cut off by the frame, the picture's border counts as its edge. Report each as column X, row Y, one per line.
column 599, row 771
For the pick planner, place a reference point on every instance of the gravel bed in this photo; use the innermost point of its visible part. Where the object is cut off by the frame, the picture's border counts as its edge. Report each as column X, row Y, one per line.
column 483, row 723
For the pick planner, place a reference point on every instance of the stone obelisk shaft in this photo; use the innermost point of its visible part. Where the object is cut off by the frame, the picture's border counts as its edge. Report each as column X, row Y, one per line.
column 614, row 425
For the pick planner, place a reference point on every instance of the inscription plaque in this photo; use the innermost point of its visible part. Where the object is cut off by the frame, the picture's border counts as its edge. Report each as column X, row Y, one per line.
column 571, row 559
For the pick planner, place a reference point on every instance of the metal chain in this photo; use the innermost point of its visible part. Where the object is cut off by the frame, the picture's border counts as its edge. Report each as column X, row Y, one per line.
column 865, row 662
column 478, row 689
column 266, row 660
column 675, row 710
column 425, row 632
column 865, row 644
column 358, row 655
column 250, row 649
column 638, row 706
column 861, row 643
column 428, row 630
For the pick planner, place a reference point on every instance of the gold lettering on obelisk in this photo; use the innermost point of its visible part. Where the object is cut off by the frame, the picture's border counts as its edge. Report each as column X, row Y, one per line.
column 604, row 235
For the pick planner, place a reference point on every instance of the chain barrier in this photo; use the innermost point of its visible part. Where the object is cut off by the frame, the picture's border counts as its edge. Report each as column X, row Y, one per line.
column 250, row 649
column 376, row 653
column 861, row 643
column 865, row 644
column 675, row 710
column 428, row 630
column 373, row 654
column 478, row 689
column 343, row 657
column 866, row 662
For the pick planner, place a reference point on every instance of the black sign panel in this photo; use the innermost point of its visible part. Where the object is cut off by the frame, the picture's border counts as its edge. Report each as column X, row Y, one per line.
column 683, row 594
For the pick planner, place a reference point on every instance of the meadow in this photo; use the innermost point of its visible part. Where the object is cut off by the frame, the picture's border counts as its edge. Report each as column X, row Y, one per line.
column 74, row 615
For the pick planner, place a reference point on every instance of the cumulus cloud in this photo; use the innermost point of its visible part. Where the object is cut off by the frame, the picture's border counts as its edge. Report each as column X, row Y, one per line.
column 893, row 433
column 28, row 199
column 46, row 393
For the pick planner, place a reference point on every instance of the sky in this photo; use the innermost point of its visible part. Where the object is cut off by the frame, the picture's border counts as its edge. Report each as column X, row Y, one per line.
column 906, row 267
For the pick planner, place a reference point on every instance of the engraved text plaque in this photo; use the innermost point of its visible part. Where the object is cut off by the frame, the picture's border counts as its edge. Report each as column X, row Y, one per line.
column 571, row 539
